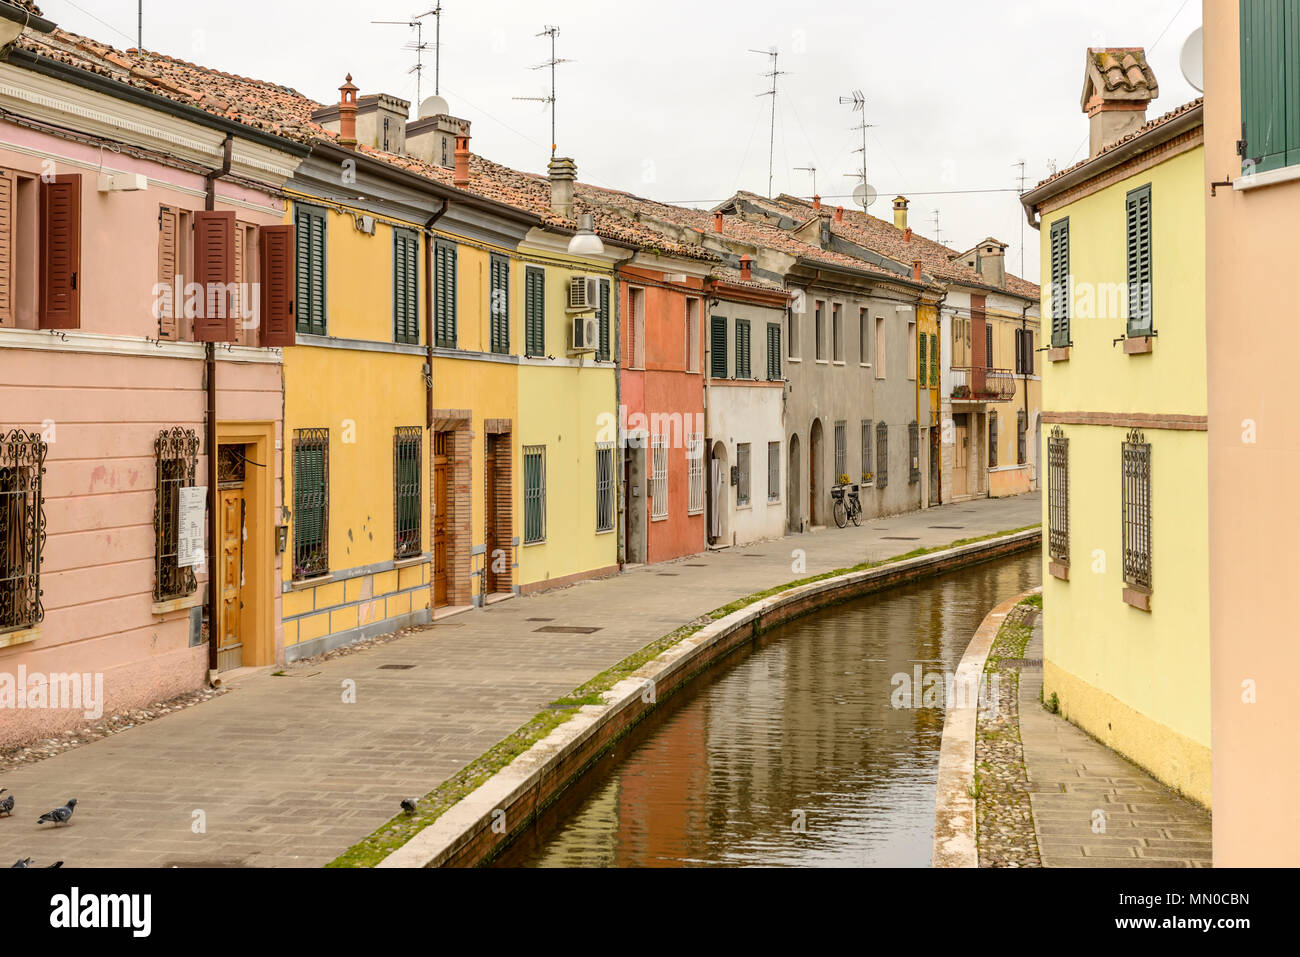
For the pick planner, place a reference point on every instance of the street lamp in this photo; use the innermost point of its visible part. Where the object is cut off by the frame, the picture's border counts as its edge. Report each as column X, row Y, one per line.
column 585, row 242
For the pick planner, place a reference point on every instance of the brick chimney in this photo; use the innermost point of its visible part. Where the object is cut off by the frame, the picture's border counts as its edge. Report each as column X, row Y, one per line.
column 916, row 270
column 817, row 201
column 991, row 262
column 563, row 174
column 907, row 234
column 348, row 113
column 460, row 177
column 900, row 212
column 839, row 214
column 1118, row 86
column 746, row 273
column 717, row 221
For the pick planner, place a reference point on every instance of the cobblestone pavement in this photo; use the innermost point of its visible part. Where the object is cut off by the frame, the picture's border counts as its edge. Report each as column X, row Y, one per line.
column 1076, row 785
column 1004, row 816
column 280, row 772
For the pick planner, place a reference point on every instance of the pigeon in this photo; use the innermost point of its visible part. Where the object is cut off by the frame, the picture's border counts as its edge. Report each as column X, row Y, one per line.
column 59, row 815
column 6, row 804
column 25, row 862
column 408, row 805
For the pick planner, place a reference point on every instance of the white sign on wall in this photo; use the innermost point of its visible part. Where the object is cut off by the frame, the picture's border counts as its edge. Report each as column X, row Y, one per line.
column 191, row 534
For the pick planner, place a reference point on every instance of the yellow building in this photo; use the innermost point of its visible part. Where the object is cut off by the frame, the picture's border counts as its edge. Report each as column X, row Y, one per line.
column 1127, row 650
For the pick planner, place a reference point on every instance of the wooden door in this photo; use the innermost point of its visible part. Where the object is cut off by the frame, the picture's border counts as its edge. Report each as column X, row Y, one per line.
column 491, row 514
column 439, row 507
column 961, row 461
column 230, row 647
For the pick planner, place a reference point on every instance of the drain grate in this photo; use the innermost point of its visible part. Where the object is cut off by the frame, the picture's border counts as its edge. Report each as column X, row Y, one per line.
column 899, row 538
column 949, row 528
column 541, row 619
column 396, row 667
column 566, row 630
column 669, row 575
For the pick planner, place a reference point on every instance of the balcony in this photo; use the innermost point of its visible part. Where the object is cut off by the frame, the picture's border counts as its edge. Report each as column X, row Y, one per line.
column 980, row 384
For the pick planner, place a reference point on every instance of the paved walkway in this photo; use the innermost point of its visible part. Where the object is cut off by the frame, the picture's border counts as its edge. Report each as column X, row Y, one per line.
column 1074, row 781
column 286, row 774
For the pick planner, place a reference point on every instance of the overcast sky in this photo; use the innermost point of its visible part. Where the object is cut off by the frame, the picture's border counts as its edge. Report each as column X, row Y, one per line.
column 661, row 99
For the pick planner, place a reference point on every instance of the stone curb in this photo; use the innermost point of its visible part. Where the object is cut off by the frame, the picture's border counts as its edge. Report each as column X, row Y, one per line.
column 954, row 806
column 478, row 825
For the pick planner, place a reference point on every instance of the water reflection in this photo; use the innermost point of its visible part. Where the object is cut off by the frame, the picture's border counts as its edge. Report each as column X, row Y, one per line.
column 793, row 756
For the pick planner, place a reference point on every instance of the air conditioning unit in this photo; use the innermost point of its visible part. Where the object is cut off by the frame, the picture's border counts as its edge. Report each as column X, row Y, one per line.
column 584, row 294
column 586, row 335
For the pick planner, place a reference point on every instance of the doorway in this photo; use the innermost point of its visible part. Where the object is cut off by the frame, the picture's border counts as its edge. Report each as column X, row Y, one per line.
column 634, row 479
column 935, row 452
column 441, row 470
column 794, row 491
column 233, row 509
column 816, row 480
column 961, row 456
column 719, row 500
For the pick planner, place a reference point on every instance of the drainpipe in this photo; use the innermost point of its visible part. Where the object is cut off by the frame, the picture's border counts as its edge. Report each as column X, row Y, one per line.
column 428, row 314
column 621, row 439
column 1024, row 324
column 210, row 439
column 938, row 321
column 706, row 381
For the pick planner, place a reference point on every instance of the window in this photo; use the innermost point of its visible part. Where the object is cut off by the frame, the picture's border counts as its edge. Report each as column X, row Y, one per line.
column 176, row 451
column 1137, row 207
column 659, row 477
column 311, row 449
column 934, row 360
column 837, row 333
column 880, row 347
column 988, row 345
column 310, row 234
column 742, row 473
column 534, row 311
column 605, row 487
column 692, row 335
column 718, row 347
column 22, row 529
column 214, row 272
column 774, row 352
column 911, row 351
column 1022, row 429
column 499, row 278
column 1058, row 496
column 993, row 440
column 819, row 330
column 961, row 343
column 1024, row 352
column 444, row 295
column 921, row 365
column 603, row 353
column 60, row 252
column 914, row 453
column 774, row 471
column 695, row 468
column 867, row 468
column 173, row 263
column 841, row 452
column 534, row 494
column 864, row 357
column 882, row 455
column 792, row 323
column 742, row 349
column 636, row 327
column 246, row 279
column 406, row 286
column 1060, row 253
column 1270, row 104
column 408, row 447
column 1137, row 511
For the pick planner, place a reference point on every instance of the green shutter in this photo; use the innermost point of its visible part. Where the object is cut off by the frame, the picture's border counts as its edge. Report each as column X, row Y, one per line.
column 309, row 242
column 934, row 359
column 718, row 347
column 1269, row 62
column 499, row 305
column 773, row 352
column 406, row 287
column 444, row 306
column 602, row 353
column 1060, row 291
column 1138, row 216
column 742, row 349
column 921, row 365
column 535, row 312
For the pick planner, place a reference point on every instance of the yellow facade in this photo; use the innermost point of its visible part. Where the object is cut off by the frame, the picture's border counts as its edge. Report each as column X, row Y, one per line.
column 1135, row 678
column 1016, row 473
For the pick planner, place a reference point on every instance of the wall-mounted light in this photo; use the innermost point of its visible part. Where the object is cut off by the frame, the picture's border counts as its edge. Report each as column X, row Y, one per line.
column 585, row 242
column 281, row 539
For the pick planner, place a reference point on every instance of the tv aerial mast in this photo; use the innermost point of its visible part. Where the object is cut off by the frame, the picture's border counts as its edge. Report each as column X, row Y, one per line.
column 552, row 63
column 418, row 46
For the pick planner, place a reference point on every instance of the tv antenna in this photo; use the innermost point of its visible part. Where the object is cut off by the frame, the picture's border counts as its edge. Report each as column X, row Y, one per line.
column 1021, row 165
column 553, row 62
column 937, row 234
column 771, row 145
column 418, row 46
column 809, row 169
column 859, row 104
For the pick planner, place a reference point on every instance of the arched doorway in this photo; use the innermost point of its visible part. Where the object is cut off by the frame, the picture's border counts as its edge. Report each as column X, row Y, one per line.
column 719, row 495
column 794, row 489
column 816, row 478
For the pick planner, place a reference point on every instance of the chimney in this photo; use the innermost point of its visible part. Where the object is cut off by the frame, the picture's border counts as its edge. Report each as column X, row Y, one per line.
column 991, row 262
column 907, row 234
column 717, row 221
column 1118, row 87
column 839, row 214
column 900, row 212
column 348, row 113
column 745, row 273
column 563, row 173
column 916, row 270
column 817, row 201
column 461, row 175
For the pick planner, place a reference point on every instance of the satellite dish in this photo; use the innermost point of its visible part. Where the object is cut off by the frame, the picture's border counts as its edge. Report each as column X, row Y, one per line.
column 865, row 195
column 1192, row 60
column 434, row 106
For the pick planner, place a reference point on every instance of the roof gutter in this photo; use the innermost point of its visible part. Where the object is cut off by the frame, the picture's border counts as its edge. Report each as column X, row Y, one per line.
column 29, row 20
column 1105, row 161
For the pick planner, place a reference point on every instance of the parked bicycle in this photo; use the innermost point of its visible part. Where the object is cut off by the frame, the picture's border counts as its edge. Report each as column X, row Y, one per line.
column 848, row 506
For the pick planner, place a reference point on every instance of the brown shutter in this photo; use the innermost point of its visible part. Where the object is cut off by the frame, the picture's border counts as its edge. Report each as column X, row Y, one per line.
column 236, row 297
column 214, row 271
column 61, row 252
column 168, row 269
column 277, row 286
column 7, row 186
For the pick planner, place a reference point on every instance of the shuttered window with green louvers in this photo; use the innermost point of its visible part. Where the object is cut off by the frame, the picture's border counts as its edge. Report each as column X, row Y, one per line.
column 309, row 246
column 534, row 311
column 1138, row 212
column 742, row 349
column 1270, row 84
column 774, row 352
column 406, row 286
column 602, row 320
column 500, row 304
column 310, row 503
column 444, row 295
column 934, row 359
column 1060, row 253
column 718, row 347
column 922, row 367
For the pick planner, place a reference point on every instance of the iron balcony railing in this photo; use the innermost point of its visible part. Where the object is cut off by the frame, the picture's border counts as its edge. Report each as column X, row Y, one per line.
column 983, row 384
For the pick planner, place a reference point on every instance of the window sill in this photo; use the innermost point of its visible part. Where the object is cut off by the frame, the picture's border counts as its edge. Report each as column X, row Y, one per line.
column 793, row 359
column 839, row 362
column 25, row 636
column 1286, row 174
column 604, row 531
column 300, row 583
column 177, row 604
column 1139, row 346
column 399, row 563
column 746, row 507
column 1138, row 598
column 534, row 544
column 1058, row 570
column 1059, row 355
column 695, row 513
column 823, row 362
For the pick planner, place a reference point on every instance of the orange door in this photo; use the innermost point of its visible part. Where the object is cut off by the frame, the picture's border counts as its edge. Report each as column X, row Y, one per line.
column 440, row 519
column 230, row 648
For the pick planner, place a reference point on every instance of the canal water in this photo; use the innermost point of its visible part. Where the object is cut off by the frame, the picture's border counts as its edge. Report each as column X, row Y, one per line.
column 792, row 754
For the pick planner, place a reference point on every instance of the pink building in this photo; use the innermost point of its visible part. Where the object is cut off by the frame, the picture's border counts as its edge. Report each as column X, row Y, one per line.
column 115, row 194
